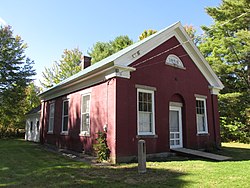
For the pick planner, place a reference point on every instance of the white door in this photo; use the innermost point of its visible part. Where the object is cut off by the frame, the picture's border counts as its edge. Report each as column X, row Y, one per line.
column 175, row 127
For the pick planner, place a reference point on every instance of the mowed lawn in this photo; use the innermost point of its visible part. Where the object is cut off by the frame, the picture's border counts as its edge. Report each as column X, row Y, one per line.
column 25, row 164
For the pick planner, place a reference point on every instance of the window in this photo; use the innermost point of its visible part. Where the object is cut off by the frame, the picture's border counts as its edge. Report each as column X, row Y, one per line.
column 65, row 116
column 145, row 114
column 31, row 126
column 201, row 115
column 85, row 124
column 51, row 117
column 37, row 125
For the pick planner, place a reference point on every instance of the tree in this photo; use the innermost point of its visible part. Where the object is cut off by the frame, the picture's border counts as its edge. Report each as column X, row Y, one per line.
column 15, row 74
column 101, row 50
column 191, row 31
column 227, row 44
column 68, row 65
column 146, row 33
column 226, row 47
column 32, row 100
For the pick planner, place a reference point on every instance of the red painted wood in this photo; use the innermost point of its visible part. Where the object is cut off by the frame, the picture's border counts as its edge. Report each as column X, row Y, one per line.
column 114, row 103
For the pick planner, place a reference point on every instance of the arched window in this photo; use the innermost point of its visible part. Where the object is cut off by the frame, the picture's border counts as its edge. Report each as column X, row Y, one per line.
column 174, row 61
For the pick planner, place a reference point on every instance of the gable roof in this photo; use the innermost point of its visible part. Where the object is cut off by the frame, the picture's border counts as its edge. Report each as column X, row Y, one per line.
column 123, row 58
column 35, row 110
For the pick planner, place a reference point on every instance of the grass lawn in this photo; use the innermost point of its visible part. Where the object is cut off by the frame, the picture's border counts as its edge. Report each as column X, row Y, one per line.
column 25, row 164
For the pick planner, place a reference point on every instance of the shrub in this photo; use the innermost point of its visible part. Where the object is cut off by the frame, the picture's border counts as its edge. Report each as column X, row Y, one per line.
column 11, row 133
column 235, row 117
column 101, row 147
column 234, row 131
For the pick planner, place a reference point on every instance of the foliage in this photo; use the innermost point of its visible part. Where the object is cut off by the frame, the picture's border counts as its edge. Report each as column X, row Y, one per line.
column 35, row 167
column 191, row 31
column 147, row 33
column 101, row 147
column 15, row 74
column 32, row 99
column 68, row 65
column 235, row 118
column 234, row 131
column 227, row 44
column 101, row 50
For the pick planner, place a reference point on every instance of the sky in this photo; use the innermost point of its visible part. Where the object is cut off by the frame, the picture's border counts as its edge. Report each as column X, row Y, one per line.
column 50, row 26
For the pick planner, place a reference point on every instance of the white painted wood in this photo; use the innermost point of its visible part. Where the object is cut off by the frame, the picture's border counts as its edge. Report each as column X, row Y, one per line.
column 176, row 137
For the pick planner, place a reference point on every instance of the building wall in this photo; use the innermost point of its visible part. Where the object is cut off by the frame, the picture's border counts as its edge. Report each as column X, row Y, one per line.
column 114, row 105
column 102, row 103
column 32, row 134
column 172, row 84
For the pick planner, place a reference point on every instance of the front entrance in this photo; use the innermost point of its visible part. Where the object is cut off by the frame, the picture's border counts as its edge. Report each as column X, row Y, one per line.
column 175, row 127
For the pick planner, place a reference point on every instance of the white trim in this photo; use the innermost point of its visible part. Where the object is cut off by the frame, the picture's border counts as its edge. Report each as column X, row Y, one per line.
column 85, row 133
column 197, row 57
column 104, row 69
column 145, row 87
column 62, row 131
column 179, row 110
column 86, row 91
column 153, row 112
column 214, row 90
column 178, row 104
column 205, row 115
column 174, row 61
column 200, row 96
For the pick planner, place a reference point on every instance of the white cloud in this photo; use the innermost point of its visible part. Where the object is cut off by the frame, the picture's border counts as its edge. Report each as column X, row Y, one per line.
column 2, row 22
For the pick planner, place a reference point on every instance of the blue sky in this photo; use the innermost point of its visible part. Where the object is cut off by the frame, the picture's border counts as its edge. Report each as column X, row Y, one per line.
column 50, row 26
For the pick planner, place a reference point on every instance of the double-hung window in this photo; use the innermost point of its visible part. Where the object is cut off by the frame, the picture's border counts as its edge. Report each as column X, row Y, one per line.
column 51, row 117
column 85, row 115
column 145, row 112
column 65, row 116
column 201, row 116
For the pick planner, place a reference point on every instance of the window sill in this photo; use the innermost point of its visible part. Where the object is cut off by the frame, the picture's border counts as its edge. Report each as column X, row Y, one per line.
column 64, row 133
column 50, row 132
column 84, row 134
column 202, row 134
column 147, row 136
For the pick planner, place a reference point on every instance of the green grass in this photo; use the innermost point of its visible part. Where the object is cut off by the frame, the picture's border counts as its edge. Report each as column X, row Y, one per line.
column 25, row 164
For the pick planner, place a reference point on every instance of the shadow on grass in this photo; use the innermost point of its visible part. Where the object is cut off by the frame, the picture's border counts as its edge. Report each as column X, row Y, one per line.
column 27, row 165
column 237, row 154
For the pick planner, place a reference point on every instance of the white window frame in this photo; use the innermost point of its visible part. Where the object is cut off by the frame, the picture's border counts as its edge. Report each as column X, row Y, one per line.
column 63, row 116
column 153, row 112
column 205, row 115
column 51, row 118
column 85, row 133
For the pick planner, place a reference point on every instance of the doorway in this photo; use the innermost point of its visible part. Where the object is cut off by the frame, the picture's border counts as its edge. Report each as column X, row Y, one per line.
column 175, row 127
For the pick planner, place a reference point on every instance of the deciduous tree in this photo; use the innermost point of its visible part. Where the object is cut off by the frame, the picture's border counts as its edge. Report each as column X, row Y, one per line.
column 101, row 50
column 16, row 71
column 147, row 33
column 68, row 65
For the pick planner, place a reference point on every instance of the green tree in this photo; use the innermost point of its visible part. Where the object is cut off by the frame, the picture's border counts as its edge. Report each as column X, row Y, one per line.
column 147, row 33
column 226, row 46
column 101, row 50
column 32, row 100
column 15, row 74
column 191, row 31
column 68, row 65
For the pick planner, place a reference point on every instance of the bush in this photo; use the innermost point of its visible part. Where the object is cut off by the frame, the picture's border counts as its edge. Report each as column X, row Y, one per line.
column 101, row 147
column 235, row 117
column 11, row 133
column 234, row 131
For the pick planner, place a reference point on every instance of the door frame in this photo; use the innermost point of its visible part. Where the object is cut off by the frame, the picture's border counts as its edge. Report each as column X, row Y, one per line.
column 179, row 110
